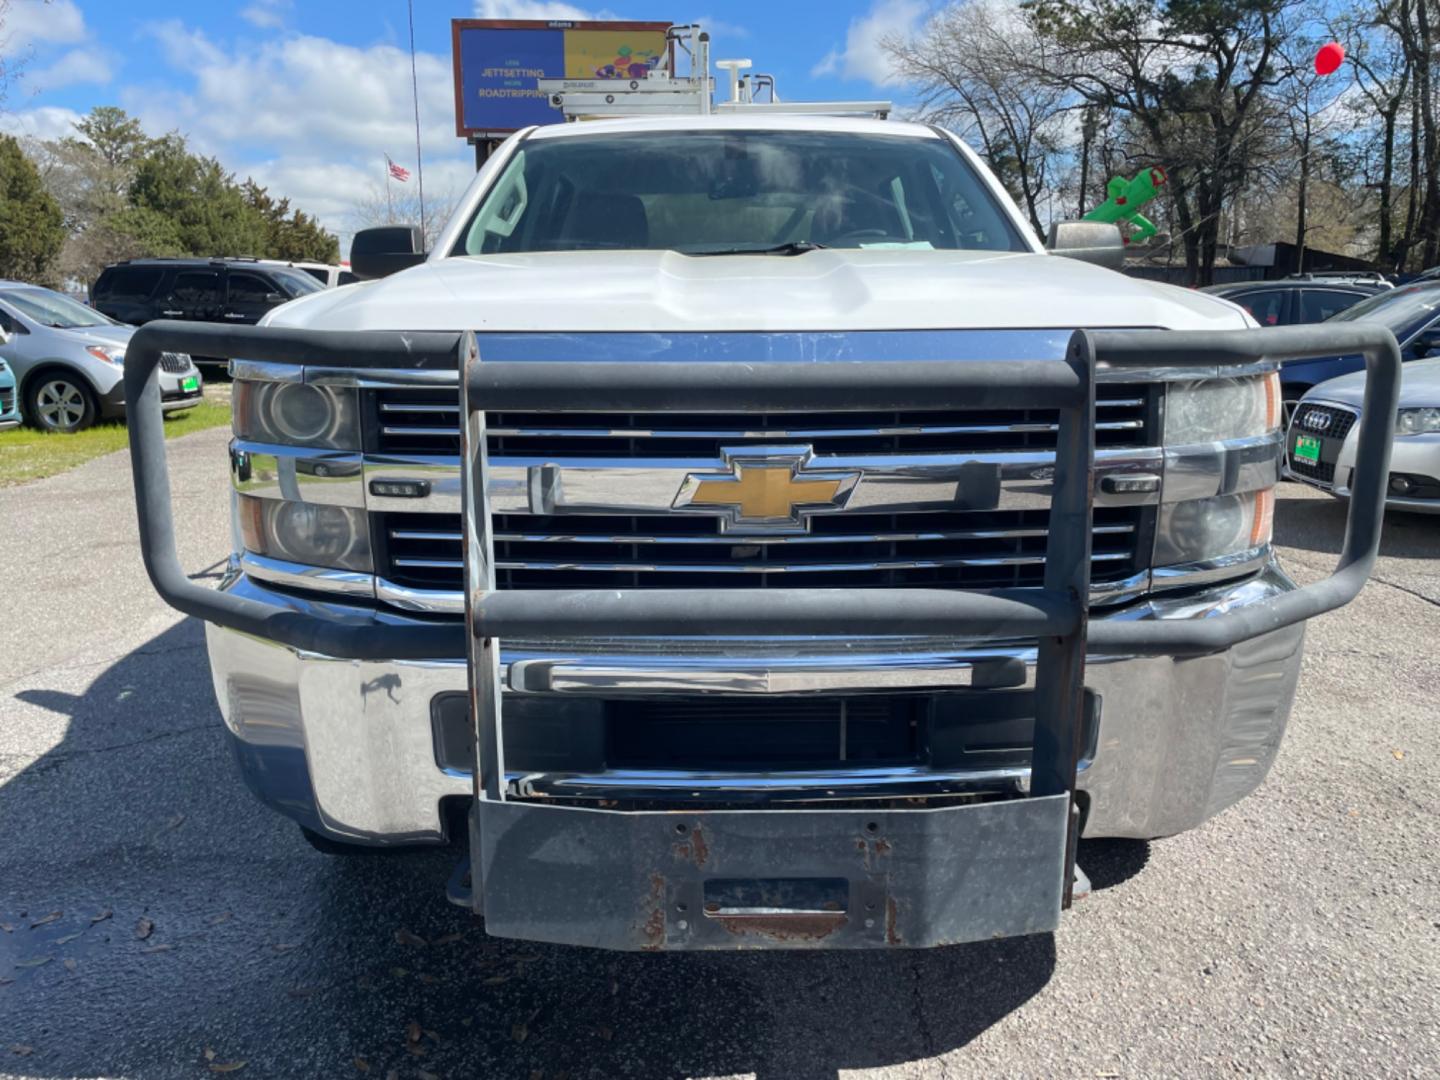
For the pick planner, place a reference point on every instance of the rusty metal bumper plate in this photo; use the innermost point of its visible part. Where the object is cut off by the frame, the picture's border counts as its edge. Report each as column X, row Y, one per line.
column 847, row 879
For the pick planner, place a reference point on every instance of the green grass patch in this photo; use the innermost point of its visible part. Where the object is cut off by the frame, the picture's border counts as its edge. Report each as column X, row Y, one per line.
column 27, row 454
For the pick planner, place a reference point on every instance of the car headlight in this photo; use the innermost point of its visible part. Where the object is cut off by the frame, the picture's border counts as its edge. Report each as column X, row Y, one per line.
column 109, row 355
column 1202, row 530
column 308, row 533
column 297, row 414
column 1417, row 421
column 1217, row 410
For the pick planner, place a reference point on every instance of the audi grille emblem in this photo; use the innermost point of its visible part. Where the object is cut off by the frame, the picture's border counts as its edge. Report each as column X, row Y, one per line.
column 1316, row 420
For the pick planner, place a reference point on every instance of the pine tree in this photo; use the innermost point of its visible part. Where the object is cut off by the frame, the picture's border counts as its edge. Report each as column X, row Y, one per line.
column 32, row 228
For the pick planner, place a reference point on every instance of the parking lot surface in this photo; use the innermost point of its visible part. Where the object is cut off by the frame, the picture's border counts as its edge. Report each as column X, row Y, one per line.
column 159, row 923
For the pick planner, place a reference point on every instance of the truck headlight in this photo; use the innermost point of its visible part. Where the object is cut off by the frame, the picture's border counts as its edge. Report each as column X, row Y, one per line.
column 1221, row 409
column 1417, row 421
column 308, row 533
column 1202, row 530
column 297, row 414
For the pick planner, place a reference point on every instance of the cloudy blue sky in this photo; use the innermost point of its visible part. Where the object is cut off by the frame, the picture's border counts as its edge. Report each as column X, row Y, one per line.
column 308, row 95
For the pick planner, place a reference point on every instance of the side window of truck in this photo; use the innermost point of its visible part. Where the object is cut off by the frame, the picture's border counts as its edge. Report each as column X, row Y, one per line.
column 502, row 211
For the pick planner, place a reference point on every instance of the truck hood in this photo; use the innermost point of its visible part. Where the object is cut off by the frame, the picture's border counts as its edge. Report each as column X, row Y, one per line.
column 1419, row 387
column 664, row 291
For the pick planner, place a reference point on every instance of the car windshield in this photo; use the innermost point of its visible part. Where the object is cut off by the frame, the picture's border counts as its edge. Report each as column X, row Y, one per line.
column 296, row 282
column 1402, row 310
column 736, row 192
column 52, row 309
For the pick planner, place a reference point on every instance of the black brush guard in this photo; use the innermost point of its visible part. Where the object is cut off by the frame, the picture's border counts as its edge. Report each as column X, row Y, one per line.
column 689, row 878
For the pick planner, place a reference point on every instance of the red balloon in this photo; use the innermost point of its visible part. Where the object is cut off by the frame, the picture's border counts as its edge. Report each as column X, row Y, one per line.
column 1329, row 58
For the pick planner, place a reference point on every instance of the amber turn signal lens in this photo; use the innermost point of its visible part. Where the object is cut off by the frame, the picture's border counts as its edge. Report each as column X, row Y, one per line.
column 1272, row 401
column 1263, row 523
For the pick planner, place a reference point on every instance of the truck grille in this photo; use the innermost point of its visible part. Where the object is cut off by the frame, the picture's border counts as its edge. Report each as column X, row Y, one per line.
column 958, row 550
column 967, row 550
column 428, row 422
column 174, row 363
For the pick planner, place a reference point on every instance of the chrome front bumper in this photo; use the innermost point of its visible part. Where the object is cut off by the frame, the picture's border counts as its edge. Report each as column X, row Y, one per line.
column 346, row 747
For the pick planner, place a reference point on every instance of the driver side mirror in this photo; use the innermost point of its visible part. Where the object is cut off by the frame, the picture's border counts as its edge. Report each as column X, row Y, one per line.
column 386, row 250
column 1097, row 242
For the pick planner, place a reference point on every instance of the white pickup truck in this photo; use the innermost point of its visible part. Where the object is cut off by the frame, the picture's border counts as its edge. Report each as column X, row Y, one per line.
column 753, row 659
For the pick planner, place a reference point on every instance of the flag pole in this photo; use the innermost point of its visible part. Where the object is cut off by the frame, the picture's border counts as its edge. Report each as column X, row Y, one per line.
column 389, row 198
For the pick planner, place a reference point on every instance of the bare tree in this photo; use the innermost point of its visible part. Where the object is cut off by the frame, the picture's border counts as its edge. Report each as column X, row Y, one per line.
column 1384, row 76
column 1188, row 78
column 400, row 205
column 1309, row 105
column 971, row 66
column 13, row 57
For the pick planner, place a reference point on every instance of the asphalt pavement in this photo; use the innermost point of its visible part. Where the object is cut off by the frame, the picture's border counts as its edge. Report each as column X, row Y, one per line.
column 157, row 922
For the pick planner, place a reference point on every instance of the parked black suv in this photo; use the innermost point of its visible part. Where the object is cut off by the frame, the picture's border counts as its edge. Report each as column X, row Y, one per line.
column 207, row 290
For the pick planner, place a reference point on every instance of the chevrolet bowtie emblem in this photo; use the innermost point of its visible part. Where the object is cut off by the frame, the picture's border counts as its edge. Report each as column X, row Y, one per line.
column 767, row 489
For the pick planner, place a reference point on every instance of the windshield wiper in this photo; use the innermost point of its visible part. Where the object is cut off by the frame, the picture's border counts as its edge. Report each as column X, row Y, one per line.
column 790, row 247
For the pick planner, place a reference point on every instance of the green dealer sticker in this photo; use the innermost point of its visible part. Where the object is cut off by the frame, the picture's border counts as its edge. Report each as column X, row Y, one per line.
column 1307, row 448
column 189, row 384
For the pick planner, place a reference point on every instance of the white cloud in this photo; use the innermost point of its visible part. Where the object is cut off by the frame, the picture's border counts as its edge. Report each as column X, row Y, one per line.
column 307, row 116
column 533, row 9
column 863, row 56
column 82, row 65
column 722, row 29
column 45, row 122
column 33, row 22
column 266, row 14
column 310, row 95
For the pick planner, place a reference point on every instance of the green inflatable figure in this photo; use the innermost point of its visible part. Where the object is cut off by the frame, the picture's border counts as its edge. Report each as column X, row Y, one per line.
column 1126, row 199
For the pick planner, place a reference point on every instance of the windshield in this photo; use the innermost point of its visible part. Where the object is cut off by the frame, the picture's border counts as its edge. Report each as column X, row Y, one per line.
column 296, row 282
column 1402, row 310
column 720, row 192
column 51, row 309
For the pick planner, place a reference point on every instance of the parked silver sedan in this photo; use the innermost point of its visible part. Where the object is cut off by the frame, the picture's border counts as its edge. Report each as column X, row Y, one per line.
column 1321, row 441
column 69, row 360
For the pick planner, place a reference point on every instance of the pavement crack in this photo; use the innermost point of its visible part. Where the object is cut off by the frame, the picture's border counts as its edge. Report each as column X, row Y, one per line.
column 55, row 758
column 1432, row 601
column 927, row 1037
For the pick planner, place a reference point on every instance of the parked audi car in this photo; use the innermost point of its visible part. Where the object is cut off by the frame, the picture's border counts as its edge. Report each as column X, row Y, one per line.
column 69, row 360
column 9, row 398
column 1323, row 435
column 1306, row 299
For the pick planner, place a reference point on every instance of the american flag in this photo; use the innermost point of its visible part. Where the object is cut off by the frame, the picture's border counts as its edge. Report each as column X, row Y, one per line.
column 396, row 171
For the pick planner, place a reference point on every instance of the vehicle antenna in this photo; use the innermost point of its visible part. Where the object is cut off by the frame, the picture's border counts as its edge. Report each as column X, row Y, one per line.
column 415, row 97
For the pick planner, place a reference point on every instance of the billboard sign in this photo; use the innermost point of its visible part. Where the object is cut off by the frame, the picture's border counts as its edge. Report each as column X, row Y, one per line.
column 499, row 63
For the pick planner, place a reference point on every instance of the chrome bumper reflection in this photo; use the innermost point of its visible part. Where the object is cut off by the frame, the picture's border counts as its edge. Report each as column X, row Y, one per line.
column 346, row 747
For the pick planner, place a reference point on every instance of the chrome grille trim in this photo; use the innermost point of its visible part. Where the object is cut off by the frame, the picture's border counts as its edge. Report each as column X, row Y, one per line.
column 452, row 601
column 754, row 568
column 749, row 541
column 411, row 423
